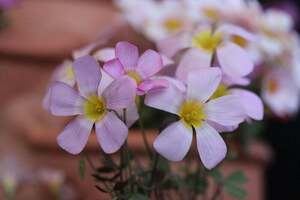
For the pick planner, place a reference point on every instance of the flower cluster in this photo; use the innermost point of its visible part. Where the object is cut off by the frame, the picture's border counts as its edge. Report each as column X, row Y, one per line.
column 107, row 98
column 237, row 35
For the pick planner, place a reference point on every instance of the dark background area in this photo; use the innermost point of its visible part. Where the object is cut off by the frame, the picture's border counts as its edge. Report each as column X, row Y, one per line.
column 283, row 175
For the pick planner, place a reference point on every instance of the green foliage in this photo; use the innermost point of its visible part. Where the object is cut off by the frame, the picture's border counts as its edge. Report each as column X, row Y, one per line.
column 138, row 196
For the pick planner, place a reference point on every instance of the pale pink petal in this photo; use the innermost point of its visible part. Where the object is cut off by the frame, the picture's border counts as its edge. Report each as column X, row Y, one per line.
column 111, row 133
column 46, row 100
column 168, row 99
column 167, row 61
column 132, row 114
column 64, row 100
column 151, row 84
column 230, row 30
column 222, row 129
column 149, row 64
column 120, row 93
column 174, row 44
column 177, row 83
column 174, row 142
column 86, row 50
column 193, row 59
column 114, row 68
column 211, row 146
column 251, row 103
column 75, row 136
column 106, row 80
column 225, row 110
column 234, row 60
column 202, row 83
column 128, row 54
column 87, row 75
column 229, row 80
column 105, row 54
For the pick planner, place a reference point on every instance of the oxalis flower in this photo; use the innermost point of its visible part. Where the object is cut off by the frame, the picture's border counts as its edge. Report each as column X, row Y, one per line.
column 195, row 110
column 93, row 105
column 140, row 69
column 227, row 42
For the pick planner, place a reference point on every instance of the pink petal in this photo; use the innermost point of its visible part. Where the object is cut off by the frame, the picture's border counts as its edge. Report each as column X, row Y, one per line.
column 230, row 29
column 114, row 68
column 151, row 84
column 174, row 142
column 222, row 129
column 64, row 100
column 173, row 44
column 87, row 74
column 225, row 110
column 193, row 59
column 86, row 50
column 105, row 54
column 167, row 61
column 120, row 93
column 132, row 114
column 46, row 100
column 75, row 136
column 111, row 133
column 128, row 54
column 251, row 103
column 168, row 99
column 229, row 80
column 149, row 64
column 106, row 80
column 211, row 146
column 234, row 60
column 203, row 82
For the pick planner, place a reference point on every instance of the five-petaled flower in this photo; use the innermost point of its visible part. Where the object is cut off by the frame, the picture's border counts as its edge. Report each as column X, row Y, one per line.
column 94, row 105
column 195, row 111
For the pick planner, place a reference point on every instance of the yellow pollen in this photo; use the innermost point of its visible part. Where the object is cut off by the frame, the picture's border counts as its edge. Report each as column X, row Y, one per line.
column 211, row 13
column 135, row 76
column 94, row 108
column 239, row 41
column 222, row 90
column 192, row 113
column 207, row 41
column 70, row 72
column 173, row 25
column 273, row 86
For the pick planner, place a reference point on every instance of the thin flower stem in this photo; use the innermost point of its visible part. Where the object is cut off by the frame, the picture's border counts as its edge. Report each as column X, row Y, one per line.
column 90, row 162
column 147, row 146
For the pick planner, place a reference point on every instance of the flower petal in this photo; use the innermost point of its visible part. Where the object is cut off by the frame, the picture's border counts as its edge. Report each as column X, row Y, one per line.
column 174, row 142
column 75, row 136
column 173, row 44
column 193, row 59
column 105, row 54
column 149, row 64
column 150, row 84
column 211, row 146
column 64, row 100
column 106, row 80
column 120, row 93
column 234, row 60
column 114, row 68
column 128, row 54
column 111, row 133
column 230, row 29
column 225, row 110
column 168, row 99
column 87, row 75
column 251, row 103
column 203, row 82
column 222, row 129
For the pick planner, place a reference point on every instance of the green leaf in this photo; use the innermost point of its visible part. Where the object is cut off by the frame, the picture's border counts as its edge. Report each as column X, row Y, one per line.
column 236, row 178
column 216, row 175
column 138, row 196
column 235, row 191
column 82, row 168
column 196, row 183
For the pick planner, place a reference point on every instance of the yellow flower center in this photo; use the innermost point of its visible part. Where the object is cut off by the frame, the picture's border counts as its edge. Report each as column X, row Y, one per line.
column 70, row 72
column 192, row 113
column 207, row 41
column 135, row 76
column 211, row 13
column 94, row 108
column 173, row 25
column 222, row 90
column 239, row 41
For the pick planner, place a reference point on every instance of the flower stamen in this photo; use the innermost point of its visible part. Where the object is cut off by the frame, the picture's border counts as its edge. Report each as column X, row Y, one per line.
column 192, row 113
column 206, row 40
column 94, row 108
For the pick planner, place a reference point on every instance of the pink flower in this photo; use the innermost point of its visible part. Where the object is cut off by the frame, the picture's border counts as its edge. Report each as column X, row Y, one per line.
column 227, row 42
column 93, row 105
column 140, row 69
column 195, row 110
